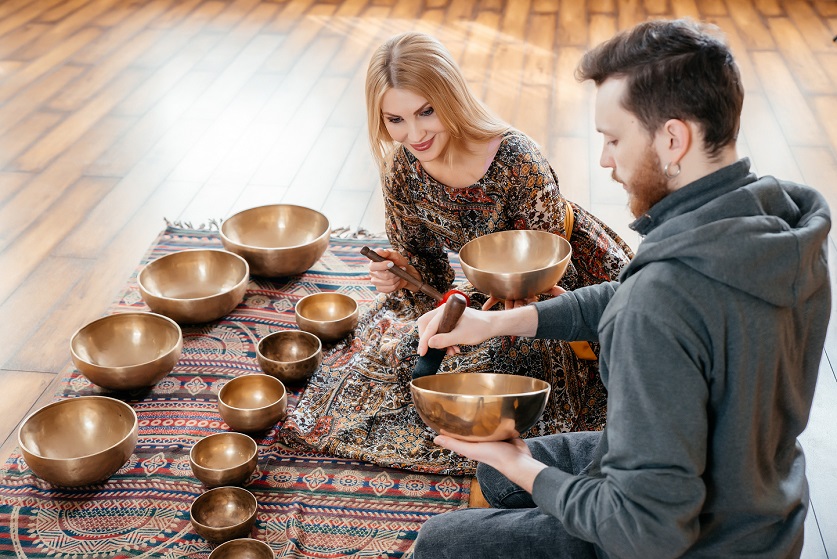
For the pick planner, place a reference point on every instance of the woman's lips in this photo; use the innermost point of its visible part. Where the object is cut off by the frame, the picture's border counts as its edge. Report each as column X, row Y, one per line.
column 423, row 146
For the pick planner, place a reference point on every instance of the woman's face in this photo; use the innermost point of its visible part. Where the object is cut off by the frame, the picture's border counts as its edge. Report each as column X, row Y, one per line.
column 411, row 120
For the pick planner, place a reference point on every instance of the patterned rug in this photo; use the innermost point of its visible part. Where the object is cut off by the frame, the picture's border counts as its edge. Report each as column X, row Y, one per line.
column 310, row 505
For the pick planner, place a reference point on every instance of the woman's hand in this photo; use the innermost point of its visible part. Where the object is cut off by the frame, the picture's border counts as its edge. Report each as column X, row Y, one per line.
column 384, row 280
column 509, row 304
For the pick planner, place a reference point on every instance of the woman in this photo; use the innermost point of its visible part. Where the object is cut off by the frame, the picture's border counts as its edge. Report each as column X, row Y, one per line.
column 451, row 172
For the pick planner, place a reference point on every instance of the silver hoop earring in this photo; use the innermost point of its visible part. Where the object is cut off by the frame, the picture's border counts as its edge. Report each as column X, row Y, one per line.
column 668, row 167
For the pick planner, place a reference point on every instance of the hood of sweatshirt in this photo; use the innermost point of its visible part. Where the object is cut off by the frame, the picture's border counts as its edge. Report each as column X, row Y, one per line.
column 773, row 232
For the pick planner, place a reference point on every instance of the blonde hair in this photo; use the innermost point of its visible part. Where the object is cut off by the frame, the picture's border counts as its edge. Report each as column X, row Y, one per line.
column 419, row 63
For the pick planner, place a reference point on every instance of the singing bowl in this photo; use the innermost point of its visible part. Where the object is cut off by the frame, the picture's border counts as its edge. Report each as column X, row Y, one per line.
column 512, row 265
column 277, row 240
column 224, row 513
column 479, row 406
column 243, row 548
column 224, row 459
column 290, row 355
column 252, row 402
column 79, row 441
column 127, row 351
column 194, row 286
column 329, row 316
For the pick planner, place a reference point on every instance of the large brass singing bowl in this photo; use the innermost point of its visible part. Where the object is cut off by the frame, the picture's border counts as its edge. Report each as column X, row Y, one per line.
column 224, row 459
column 224, row 513
column 277, row 240
column 512, row 265
column 290, row 355
column 479, row 406
column 194, row 286
column 79, row 441
column 329, row 316
column 252, row 403
column 127, row 351
column 243, row 548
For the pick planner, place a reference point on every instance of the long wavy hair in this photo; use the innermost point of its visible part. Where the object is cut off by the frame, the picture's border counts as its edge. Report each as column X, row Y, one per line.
column 419, row 63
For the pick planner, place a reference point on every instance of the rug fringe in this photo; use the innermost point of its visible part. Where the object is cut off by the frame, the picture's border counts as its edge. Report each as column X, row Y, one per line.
column 213, row 224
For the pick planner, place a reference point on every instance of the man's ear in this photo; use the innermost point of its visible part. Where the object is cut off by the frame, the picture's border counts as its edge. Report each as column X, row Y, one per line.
column 673, row 140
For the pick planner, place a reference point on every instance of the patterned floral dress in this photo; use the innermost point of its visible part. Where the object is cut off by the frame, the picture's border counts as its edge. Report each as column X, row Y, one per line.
column 358, row 405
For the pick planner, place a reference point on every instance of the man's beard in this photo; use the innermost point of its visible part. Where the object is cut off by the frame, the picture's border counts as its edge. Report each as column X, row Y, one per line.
column 648, row 186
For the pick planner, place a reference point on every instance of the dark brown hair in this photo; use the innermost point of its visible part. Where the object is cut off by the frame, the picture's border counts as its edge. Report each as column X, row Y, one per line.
column 674, row 69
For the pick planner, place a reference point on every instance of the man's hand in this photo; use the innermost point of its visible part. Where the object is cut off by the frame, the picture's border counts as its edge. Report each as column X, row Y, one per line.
column 384, row 280
column 510, row 304
column 473, row 327
column 511, row 458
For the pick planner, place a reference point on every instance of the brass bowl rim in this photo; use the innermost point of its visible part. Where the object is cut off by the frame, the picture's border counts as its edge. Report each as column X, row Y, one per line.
column 120, row 314
column 306, row 334
column 310, row 295
column 472, row 242
column 260, row 543
column 319, row 238
column 236, row 489
column 546, row 387
column 121, row 441
column 226, row 434
column 270, row 405
column 244, row 280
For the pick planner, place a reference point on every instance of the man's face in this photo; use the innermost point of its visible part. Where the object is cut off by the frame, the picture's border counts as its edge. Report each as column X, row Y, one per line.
column 629, row 150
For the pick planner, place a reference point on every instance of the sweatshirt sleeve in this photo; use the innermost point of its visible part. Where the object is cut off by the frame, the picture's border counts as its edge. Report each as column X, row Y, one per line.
column 642, row 503
column 574, row 315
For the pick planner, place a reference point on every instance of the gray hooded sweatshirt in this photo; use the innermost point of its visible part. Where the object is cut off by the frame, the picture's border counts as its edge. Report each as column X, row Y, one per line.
column 710, row 347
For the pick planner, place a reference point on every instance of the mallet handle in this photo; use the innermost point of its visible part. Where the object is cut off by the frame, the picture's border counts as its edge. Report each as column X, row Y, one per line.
column 418, row 284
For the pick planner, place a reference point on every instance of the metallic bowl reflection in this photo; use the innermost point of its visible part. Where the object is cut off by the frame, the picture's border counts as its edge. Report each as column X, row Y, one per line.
column 127, row 351
column 224, row 513
column 277, row 240
column 290, row 355
column 514, row 265
column 79, row 441
column 224, row 459
column 252, row 403
column 244, row 548
column 479, row 406
column 329, row 316
column 193, row 286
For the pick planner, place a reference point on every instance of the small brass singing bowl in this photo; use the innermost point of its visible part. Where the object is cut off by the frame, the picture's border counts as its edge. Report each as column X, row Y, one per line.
column 224, row 459
column 244, row 548
column 224, row 513
column 479, row 406
column 329, row 316
column 512, row 265
column 194, row 286
column 127, row 351
column 79, row 441
column 252, row 402
column 290, row 355
column 277, row 240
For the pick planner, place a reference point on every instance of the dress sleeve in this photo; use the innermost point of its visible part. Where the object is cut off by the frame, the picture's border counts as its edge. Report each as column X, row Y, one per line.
column 599, row 254
column 407, row 231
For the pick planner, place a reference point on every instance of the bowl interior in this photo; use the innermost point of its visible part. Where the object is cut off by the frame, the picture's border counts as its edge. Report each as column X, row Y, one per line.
column 193, row 274
column 78, row 427
column 127, row 339
column 224, row 507
column 511, row 252
column 289, row 346
column 276, row 226
column 326, row 307
column 252, row 392
column 223, row 451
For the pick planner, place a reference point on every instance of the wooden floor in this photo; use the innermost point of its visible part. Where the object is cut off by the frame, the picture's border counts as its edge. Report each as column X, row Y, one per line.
column 116, row 114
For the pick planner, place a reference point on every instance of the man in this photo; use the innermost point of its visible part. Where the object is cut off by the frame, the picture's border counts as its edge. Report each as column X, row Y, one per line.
column 710, row 341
